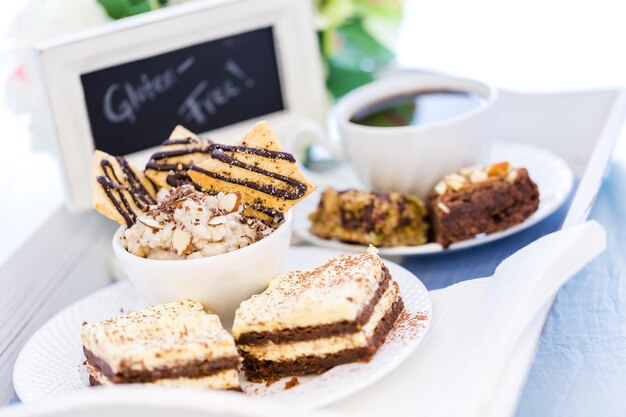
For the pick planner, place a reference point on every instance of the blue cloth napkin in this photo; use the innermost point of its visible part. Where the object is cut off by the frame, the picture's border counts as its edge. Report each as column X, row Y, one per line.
column 580, row 366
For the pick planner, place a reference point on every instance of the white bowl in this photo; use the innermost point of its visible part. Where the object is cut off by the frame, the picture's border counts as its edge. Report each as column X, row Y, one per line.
column 219, row 282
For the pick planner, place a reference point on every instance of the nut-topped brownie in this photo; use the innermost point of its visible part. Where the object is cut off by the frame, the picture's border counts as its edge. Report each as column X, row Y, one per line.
column 380, row 219
column 173, row 344
column 481, row 200
column 309, row 321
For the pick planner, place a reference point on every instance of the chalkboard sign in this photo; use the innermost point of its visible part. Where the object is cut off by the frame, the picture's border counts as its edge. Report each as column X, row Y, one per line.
column 134, row 106
column 212, row 66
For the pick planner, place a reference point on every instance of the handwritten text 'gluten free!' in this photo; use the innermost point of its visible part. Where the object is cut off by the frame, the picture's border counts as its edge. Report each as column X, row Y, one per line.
column 122, row 102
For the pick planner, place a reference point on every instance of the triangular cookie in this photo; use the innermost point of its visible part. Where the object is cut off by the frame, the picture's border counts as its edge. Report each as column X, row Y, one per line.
column 256, row 167
column 168, row 167
column 120, row 191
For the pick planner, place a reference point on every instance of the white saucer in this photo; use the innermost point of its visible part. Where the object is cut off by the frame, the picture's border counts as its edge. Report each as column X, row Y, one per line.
column 552, row 175
column 51, row 361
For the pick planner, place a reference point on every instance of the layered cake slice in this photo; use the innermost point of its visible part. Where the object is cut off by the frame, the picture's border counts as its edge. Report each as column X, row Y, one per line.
column 173, row 344
column 310, row 321
column 481, row 200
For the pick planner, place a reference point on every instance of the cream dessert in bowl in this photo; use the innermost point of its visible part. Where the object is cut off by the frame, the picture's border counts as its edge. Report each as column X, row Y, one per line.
column 218, row 233
column 220, row 282
column 189, row 224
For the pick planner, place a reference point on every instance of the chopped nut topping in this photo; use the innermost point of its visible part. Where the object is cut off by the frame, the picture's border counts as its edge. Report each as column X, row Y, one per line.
column 441, row 188
column 478, row 176
column 468, row 171
column 474, row 175
column 216, row 221
column 151, row 222
column 455, row 181
column 187, row 210
column 229, row 202
column 501, row 168
column 181, row 241
column 512, row 176
column 443, row 207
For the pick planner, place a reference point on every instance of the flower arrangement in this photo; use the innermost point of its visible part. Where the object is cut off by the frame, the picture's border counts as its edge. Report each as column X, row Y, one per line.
column 356, row 38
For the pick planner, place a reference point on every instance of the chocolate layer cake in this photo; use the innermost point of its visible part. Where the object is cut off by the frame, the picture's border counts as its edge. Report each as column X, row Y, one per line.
column 481, row 200
column 380, row 219
column 310, row 321
column 173, row 344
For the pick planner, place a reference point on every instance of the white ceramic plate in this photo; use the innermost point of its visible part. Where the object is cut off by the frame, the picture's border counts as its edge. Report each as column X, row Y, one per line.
column 143, row 400
column 552, row 175
column 51, row 362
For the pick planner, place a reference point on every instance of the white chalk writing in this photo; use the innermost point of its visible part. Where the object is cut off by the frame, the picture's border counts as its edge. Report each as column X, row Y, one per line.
column 123, row 101
column 205, row 99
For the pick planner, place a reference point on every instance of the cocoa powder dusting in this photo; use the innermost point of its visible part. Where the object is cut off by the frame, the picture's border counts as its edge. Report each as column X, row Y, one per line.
column 293, row 382
column 408, row 326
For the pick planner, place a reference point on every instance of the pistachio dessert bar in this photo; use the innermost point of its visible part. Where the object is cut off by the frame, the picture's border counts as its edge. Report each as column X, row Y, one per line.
column 380, row 219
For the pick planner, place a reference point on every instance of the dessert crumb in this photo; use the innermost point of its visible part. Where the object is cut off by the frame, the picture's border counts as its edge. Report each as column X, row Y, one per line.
column 293, row 382
column 269, row 382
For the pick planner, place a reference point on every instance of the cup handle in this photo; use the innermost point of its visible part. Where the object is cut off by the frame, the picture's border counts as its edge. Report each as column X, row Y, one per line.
column 308, row 132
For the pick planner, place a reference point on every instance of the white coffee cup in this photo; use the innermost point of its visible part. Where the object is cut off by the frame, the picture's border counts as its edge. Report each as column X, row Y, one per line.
column 410, row 158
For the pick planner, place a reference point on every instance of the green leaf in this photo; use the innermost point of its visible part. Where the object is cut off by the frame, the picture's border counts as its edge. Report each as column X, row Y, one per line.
column 384, row 31
column 390, row 10
column 118, row 9
column 331, row 13
column 398, row 114
column 355, row 49
column 341, row 81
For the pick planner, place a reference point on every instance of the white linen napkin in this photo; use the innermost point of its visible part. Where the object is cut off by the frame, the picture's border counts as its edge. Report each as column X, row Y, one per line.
column 476, row 356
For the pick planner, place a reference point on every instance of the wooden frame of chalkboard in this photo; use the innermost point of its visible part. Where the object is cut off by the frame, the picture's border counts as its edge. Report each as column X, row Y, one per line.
column 214, row 66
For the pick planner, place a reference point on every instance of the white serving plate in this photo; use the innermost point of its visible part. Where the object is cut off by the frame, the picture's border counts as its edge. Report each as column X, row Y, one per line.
column 142, row 400
column 551, row 173
column 50, row 363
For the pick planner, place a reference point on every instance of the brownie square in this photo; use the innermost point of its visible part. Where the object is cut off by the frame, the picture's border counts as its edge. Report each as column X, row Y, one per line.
column 493, row 203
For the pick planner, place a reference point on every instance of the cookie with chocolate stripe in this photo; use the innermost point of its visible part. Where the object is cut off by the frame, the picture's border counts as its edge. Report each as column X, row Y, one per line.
column 267, row 178
column 168, row 166
column 120, row 191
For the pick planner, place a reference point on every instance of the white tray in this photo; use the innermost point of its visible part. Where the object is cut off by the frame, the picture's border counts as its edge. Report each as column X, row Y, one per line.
column 580, row 127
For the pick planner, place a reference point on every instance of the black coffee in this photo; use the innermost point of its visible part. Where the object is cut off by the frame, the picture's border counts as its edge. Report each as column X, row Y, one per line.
column 417, row 108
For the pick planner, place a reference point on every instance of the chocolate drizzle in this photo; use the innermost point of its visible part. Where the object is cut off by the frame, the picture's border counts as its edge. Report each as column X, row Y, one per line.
column 111, row 184
column 294, row 191
column 176, row 179
column 126, row 212
column 138, row 192
column 276, row 216
column 157, row 156
column 265, row 153
column 178, row 171
column 178, row 176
